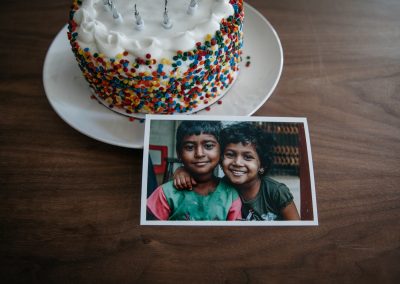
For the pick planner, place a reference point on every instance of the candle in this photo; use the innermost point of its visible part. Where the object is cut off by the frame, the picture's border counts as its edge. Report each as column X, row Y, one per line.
column 139, row 21
column 192, row 7
column 167, row 23
column 116, row 15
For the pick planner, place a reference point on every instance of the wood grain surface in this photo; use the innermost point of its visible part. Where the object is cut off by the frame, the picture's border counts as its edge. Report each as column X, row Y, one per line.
column 70, row 205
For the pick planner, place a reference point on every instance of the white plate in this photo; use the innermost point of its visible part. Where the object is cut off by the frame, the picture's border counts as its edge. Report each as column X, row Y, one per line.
column 70, row 95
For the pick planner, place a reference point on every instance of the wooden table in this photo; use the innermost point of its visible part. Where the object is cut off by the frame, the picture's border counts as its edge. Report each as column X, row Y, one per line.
column 70, row 205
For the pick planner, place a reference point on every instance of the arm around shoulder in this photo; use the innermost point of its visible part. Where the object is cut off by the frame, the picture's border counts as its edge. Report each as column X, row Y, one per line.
column 183, row 180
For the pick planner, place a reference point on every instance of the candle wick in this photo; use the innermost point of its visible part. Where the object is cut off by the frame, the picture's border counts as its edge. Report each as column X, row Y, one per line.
column 136, row 12
column 165, row 8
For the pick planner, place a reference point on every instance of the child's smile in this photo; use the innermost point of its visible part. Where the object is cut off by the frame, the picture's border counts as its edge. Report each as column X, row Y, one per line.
column 238, row 173
column 201, row 164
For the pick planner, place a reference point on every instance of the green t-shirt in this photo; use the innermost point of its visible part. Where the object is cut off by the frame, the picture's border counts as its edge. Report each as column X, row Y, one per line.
column 270, row 200
column 168, row 203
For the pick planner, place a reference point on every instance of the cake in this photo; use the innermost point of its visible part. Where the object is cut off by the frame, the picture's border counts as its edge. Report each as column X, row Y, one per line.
column 157, row 56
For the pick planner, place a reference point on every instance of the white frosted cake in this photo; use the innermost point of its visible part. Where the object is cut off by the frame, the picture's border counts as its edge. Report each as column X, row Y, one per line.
column 156, row 56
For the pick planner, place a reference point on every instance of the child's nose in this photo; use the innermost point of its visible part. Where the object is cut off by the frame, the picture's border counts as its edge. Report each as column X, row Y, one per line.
column 238, row 161
column 199, row 152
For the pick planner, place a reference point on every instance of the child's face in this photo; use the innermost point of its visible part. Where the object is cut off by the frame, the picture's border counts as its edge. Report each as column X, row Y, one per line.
column 200, row 154
column 241, row 163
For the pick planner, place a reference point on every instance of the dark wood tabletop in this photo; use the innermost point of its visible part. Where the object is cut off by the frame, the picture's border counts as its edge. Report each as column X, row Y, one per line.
column 70, row 205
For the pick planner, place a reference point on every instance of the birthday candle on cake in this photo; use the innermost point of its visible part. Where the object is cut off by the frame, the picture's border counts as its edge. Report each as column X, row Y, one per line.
column 116, row 15
column 139, row 21
column 167, row 23
column 192, row 7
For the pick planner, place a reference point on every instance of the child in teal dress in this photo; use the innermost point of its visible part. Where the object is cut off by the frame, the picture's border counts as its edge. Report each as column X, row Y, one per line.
column 211, row 198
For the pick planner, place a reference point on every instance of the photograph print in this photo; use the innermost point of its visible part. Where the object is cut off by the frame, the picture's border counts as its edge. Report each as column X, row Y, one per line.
column 227, row 171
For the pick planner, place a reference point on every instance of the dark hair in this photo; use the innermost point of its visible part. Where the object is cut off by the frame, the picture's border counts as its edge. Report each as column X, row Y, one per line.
column 196, row 127
column 248, row 133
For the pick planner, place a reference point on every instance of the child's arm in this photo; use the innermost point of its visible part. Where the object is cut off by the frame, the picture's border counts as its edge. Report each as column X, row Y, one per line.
column 290, row 212
column 183, row 180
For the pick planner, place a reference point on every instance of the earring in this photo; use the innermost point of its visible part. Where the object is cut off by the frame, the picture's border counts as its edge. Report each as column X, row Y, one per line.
column 261, row 171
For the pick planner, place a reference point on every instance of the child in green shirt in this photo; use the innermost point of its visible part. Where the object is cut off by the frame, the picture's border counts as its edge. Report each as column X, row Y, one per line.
column 211, row 198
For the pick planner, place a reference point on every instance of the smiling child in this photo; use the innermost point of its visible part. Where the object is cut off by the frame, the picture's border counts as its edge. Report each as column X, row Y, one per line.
column 197, row 145
column 246, row 158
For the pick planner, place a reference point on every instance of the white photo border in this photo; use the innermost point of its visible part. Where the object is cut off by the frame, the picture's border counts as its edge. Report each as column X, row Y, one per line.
column 150, row 117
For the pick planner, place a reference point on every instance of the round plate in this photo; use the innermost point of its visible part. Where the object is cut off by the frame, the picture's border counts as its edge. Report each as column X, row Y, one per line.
column 71, row 98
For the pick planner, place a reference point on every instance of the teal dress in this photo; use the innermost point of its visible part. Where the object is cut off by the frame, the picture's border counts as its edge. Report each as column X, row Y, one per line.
column 168, row 203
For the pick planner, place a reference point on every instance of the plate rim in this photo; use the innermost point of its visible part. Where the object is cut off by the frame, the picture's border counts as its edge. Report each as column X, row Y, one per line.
column 262, row 17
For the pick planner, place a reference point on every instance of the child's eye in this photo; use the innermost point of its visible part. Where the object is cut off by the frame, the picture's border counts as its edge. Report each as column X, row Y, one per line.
column 209, row 146
column 248, row 157
column 228, row 155
column 188, row 147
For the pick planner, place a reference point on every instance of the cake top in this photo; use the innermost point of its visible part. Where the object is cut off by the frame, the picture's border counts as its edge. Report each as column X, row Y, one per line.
column 113, row 27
